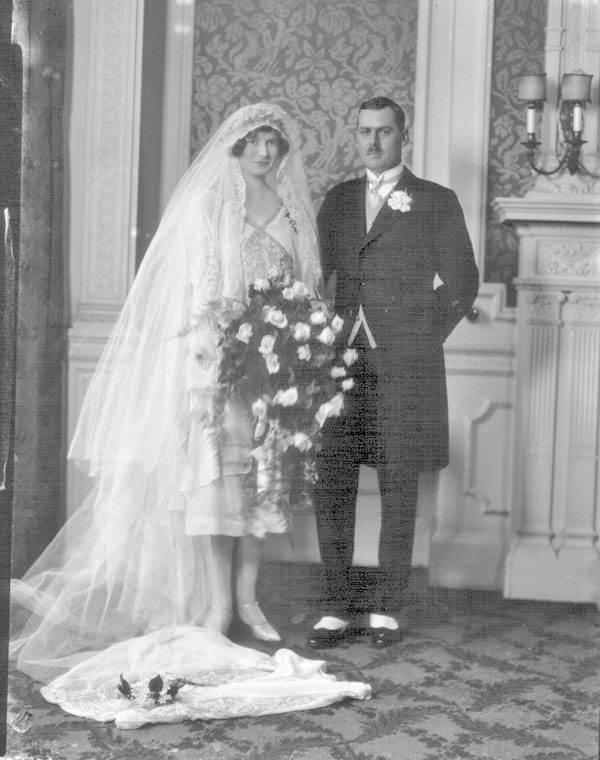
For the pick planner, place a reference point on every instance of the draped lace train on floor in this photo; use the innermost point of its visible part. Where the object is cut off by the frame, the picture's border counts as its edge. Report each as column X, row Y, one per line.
column 217, row 679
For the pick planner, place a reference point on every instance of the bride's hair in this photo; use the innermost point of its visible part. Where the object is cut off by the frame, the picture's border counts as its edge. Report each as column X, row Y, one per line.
column 239, row 146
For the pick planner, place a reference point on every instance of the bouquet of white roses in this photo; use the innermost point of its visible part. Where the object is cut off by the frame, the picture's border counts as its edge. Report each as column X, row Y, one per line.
column 279, row 356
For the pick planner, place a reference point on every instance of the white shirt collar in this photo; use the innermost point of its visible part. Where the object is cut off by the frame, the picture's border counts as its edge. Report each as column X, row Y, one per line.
column 389, row 175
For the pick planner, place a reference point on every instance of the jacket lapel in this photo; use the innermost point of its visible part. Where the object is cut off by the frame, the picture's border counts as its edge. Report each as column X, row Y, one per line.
column 357, row 227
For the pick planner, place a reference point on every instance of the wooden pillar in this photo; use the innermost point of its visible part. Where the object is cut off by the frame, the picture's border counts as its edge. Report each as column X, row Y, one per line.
column 40, row 31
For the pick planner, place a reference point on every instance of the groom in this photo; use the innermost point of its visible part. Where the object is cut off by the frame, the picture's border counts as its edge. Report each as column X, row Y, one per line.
column 405, row 276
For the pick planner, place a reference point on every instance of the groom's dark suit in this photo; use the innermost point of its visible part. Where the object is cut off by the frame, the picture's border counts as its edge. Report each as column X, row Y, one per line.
column 397, row 416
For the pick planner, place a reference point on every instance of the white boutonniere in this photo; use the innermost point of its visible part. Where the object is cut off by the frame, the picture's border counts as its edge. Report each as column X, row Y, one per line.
column 400, row 200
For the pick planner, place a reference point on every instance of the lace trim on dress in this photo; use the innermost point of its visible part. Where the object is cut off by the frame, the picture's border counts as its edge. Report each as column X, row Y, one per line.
column 263, row 254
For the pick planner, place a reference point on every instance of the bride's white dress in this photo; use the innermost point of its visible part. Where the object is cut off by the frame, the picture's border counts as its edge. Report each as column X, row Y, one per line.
column 219, row 679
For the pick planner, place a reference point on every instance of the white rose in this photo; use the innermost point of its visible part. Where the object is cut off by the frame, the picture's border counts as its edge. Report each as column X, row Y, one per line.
column 259, row 453
column 400, row 200
column 262, row 284
column 287, row 397
column 347, row 384
column 277, row 318
column 244, row 332
column 338, row 372
column 350, row 356
column 336, row 324
column 272, row 361
column 299, row 289
column 259, row 429
column 323, row 413
column 259, row 409
column 304, row 353
column 331, row 408
column 288, row 294
column 337, row 402
column 302, row 442
column 267, row 344
column 301, row 332
column 318, row 317
column 327, row 336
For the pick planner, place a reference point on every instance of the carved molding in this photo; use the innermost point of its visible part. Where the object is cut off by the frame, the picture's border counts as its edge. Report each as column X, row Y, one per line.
column 554, row 15
column 565, row 184
column 583, row 310
column 104, row 267
column 104, row 153
column 479, row 363
column 573, row 46
column 473, row 468
column 568, row 258
column 538, row 374
column 103, row 160
column 583, row 437
column 543, row 307
column 549, row 208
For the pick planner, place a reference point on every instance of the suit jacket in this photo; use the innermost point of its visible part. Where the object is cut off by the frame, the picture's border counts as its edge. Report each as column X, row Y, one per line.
column 390, row 271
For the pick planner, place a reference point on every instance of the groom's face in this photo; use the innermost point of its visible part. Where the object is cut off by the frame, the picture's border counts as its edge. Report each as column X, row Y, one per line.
column 379, row 139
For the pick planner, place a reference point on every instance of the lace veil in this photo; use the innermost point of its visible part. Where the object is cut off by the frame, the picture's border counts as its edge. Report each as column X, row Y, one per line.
column 122, row 564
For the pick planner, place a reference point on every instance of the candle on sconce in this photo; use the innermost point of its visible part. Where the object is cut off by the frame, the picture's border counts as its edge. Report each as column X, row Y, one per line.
column 532, row 88
column 531, row 112
column 577, row 117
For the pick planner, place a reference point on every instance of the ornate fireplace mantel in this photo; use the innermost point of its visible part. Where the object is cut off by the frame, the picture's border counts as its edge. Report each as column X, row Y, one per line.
column 555, row 534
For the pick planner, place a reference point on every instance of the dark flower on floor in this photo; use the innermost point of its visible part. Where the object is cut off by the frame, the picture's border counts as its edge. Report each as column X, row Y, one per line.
column 155, row 686
column 124, row 687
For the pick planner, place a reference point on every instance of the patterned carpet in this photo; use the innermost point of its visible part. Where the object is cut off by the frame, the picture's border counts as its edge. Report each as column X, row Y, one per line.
column 478, row 677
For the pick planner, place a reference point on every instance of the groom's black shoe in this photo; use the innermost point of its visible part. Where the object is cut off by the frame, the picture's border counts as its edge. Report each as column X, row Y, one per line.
column 385, row 637
column 324, row 638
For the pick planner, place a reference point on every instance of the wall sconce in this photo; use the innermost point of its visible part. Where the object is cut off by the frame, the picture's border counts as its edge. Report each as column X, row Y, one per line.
column 575, row 90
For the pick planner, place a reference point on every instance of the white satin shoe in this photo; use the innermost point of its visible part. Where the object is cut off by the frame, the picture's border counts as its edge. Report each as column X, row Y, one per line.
column 218, row 619
column 263, row 630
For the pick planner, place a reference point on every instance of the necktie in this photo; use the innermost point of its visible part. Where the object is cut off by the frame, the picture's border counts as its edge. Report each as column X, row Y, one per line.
column 374, row 186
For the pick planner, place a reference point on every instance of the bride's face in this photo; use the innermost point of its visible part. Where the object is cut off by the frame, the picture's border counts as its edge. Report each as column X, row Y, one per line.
column 260, row 153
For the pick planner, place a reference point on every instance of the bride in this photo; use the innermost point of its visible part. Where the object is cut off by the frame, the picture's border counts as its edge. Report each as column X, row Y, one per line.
column 141, row 580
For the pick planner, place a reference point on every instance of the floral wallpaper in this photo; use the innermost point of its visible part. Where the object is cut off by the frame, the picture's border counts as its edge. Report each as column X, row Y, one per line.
column 519, row 40
column 318, row 60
